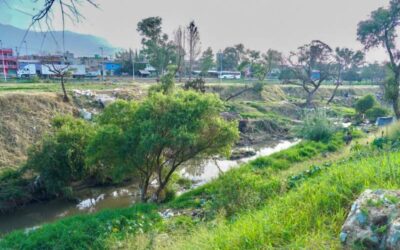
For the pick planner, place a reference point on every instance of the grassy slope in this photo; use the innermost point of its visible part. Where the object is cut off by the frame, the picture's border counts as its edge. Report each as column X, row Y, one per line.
column 257, row 184
column 308, row 217
column 23, row 120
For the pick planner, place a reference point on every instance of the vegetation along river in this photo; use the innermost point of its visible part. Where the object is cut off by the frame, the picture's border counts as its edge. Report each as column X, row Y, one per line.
column 95, row 199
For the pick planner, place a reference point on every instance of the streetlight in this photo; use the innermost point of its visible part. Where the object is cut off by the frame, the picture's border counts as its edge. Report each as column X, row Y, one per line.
column 4, row 64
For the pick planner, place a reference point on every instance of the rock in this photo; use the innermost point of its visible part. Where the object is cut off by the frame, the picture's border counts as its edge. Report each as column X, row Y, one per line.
column 104, row 100
column 242, row 153
column 85, row 114
column 373, row 221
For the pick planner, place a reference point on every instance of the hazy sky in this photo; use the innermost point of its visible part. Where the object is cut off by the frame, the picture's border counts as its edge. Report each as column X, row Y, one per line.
column 258, row 24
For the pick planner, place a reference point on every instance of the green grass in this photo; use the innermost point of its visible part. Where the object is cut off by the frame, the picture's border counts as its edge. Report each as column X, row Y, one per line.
column 56, row 87
column 86, row 231
column 308, row 217
column 246, row 187
column 239, row 190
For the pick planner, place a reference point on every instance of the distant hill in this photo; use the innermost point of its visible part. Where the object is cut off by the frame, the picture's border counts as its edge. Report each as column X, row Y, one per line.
column 37, row 42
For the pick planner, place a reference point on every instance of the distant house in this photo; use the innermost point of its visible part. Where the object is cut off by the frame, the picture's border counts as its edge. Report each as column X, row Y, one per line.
column 8, row 62
column 384, row 121
column 112, row 68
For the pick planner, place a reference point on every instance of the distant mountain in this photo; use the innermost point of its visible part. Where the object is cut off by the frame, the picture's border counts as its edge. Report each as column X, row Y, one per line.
column 37, row 42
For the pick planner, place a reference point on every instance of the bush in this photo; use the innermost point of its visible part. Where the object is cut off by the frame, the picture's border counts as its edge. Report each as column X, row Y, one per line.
column 316, row 127
column 59, row 158
column 240, row 190
column 375, row 112
column 365, row 103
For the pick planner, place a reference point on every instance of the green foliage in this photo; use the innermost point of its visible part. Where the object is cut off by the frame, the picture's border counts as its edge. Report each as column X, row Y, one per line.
column 249, row 186
column 207, row 61
column 85, row 231
column 365, row 103
column 156, row 46
column 308, row 217
column 316, row 126
column 14, row 190
column 59, row 158
column 160, row 134
column 375, row 112
column 197, row 84
column 240, row 190
column 167, row 80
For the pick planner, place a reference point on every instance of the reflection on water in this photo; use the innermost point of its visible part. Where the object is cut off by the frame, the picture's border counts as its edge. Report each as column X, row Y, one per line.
column 212, row 168
column 92, row 200
column 96, row 199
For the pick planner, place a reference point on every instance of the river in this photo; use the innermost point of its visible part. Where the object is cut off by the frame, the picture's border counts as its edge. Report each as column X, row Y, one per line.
column 96, row 199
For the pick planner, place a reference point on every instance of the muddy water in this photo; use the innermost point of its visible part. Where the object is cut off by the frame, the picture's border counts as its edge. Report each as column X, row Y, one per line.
column 95, row 199
column 212, row 168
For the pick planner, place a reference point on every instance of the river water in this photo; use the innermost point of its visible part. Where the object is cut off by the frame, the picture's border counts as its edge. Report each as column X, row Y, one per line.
column 96, row 199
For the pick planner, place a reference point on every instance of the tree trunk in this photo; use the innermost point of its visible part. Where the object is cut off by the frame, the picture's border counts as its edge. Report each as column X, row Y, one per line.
column 333, row 94
column 310, row 97
column 66, row 99
column 143, row 190
column 396, row 109
column 395, row 100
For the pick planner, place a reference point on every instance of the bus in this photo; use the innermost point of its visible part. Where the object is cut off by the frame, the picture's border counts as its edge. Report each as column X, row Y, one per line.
column 229, row 75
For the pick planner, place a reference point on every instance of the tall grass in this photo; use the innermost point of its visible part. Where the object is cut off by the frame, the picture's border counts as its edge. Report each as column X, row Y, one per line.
column 309, row 217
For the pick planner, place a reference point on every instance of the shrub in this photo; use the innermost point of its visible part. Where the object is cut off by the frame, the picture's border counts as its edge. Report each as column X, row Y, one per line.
column 59, row 158
column 375, row 112
column 316, row 127
column 365, row 103
column 240, row 190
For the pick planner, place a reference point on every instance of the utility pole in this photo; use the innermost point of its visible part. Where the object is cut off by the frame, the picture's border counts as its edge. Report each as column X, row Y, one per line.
column 26, row 49
column 220, row 61
column 133, row 64
column 102, row 63
column 4, row 64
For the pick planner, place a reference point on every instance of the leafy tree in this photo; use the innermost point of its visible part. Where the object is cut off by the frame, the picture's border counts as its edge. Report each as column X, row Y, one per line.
column 59, row 158
column 346, row 59
column 380, row 30
column 164, row 132
column 365, row 103
column 309, row 60
column 270, row 60
column 373, row 113
column 207, row 61
column 159, row 51
column 230, row 59
column 373, row 72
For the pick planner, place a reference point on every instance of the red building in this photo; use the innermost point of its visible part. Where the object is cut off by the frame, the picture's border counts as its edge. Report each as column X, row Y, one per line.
column 8, row 62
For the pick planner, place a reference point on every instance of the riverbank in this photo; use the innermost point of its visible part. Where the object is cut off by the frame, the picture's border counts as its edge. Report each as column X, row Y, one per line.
column 94, row 199
column 238, row 190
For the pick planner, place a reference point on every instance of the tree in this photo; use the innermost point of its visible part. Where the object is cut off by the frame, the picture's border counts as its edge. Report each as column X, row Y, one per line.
column 61, row 71
column 59, row 158
column 345, row 60
column 365, row 103
column 380, row 30
column 270, row 60
column 159, row 51
column 207, row 61
column 230, row 59
column 194, row 45
column 373, row 72
column 179, row 40
column 162, row 133
column 311, row 64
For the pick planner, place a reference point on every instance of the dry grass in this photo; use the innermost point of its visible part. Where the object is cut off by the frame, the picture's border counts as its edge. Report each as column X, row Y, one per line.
column 24, row 118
